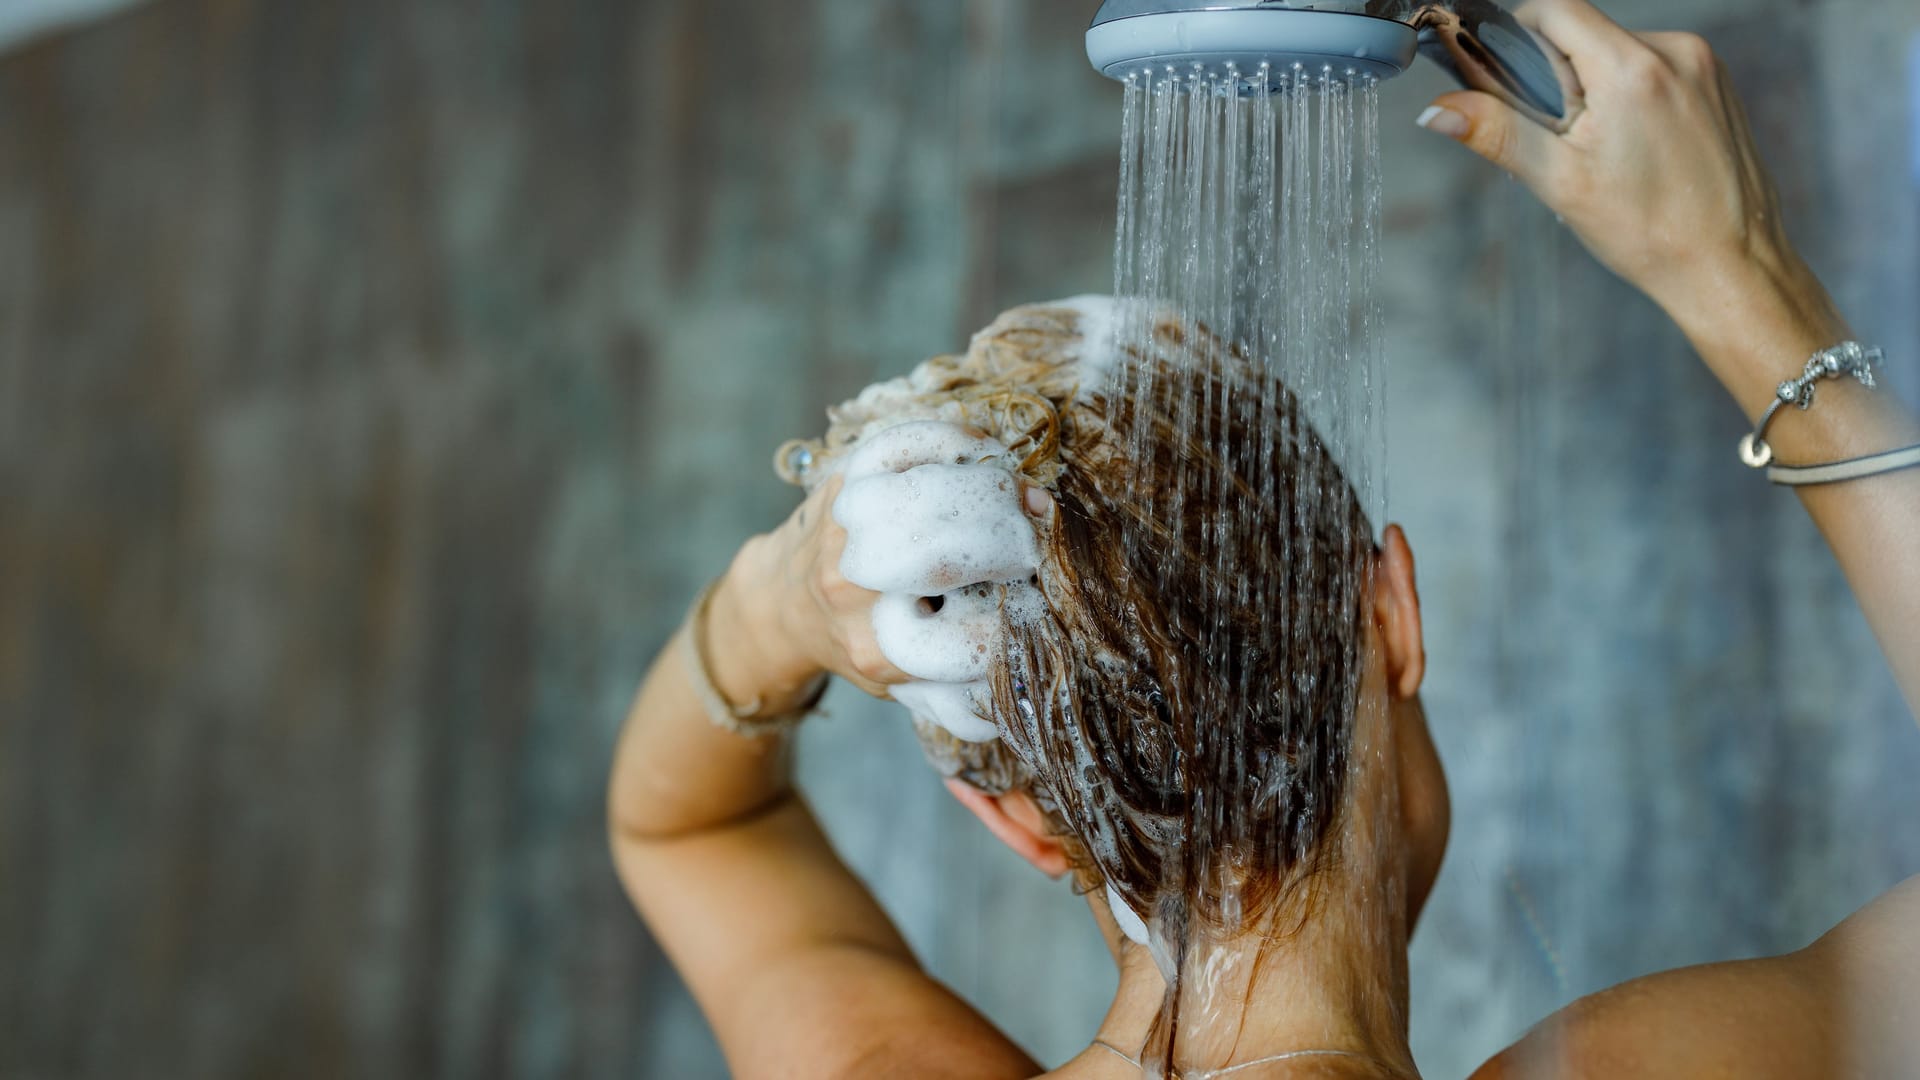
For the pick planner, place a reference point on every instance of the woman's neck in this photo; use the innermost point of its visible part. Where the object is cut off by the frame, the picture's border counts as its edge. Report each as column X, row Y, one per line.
column 1334, row 980
column 1339, row 984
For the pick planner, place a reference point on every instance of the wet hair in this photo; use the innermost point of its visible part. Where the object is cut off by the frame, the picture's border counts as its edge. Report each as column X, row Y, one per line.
column 1183, row 709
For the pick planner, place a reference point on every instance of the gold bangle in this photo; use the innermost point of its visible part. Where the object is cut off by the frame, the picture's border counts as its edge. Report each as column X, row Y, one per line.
column 739, row 719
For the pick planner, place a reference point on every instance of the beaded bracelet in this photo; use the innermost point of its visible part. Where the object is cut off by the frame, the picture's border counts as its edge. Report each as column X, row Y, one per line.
column 1847, row 358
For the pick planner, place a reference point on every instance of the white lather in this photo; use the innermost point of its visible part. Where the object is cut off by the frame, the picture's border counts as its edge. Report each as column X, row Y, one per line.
column 935, row 525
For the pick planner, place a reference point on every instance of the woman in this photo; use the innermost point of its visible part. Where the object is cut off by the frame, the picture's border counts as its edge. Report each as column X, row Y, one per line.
column 802, row 975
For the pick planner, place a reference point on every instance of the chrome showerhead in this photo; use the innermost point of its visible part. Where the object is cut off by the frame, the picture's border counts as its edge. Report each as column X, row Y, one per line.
column 1483, row 46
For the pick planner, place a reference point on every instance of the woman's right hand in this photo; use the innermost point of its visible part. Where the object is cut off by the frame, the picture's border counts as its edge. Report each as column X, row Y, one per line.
column 785, row 613
column 922, row 509
column 1659, row 176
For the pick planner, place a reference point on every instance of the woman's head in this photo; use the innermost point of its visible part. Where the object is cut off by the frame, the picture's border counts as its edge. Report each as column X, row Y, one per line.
column 1182, row 711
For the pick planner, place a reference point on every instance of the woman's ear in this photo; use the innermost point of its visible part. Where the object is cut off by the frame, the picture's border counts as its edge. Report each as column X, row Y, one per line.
column 1396, row 612
column 1019, row 823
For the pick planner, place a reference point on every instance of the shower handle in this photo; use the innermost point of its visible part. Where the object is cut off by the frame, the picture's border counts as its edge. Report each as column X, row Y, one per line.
column 1485, row 47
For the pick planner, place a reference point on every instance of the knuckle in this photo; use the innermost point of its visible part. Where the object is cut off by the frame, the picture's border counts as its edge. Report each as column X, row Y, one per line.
column 837, row 594
column 749, row 552
column 867, row 659
column 1498, row 142
column 1503, row 145
column 836, row 589
column 833, row 542
column 1695, row 52
column 827, row 576
column 1644, row 67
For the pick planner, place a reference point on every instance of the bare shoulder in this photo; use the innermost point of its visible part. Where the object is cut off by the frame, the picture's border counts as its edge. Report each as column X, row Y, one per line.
column 1847, row 1005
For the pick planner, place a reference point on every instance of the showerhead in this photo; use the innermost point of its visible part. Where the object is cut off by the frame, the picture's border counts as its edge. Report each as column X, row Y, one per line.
column 1480, row 44
column 1129, row 36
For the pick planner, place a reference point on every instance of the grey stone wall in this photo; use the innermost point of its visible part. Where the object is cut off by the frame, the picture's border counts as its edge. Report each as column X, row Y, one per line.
column 24, row 20
column 378, row 382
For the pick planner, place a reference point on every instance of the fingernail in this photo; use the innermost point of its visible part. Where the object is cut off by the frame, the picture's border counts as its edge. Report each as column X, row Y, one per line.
column 1039, row 501
column 1444, row 121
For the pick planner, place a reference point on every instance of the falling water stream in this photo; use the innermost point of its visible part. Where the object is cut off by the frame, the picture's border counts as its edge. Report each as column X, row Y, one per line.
column 1257, row 216
column 1248, row 224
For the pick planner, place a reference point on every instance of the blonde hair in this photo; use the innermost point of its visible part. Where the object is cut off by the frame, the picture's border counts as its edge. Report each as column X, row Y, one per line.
column 1196, row 783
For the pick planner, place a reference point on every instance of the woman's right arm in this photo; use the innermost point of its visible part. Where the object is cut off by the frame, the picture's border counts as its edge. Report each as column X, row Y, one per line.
column 1661, row 180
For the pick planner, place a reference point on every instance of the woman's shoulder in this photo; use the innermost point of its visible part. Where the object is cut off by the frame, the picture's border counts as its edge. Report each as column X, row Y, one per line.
column 1843, row 1005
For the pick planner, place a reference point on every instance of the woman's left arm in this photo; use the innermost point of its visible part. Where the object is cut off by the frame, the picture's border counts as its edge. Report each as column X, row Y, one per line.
column 794, row 963
column 1662, row 181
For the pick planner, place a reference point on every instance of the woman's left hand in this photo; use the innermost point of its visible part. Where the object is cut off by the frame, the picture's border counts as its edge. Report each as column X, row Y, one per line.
column 1661, row 180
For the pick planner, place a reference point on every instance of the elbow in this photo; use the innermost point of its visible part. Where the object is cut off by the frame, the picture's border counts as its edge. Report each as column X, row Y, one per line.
column 637, row 817
column 636, row 813
column 643, row 805
column 633, row 817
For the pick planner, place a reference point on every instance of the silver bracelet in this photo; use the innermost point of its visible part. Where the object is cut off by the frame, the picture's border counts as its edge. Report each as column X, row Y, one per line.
column 1846, row 358
column 1841, row 471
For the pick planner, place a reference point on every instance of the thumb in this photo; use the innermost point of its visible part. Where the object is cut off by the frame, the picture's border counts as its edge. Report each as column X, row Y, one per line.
column 1496, row 131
